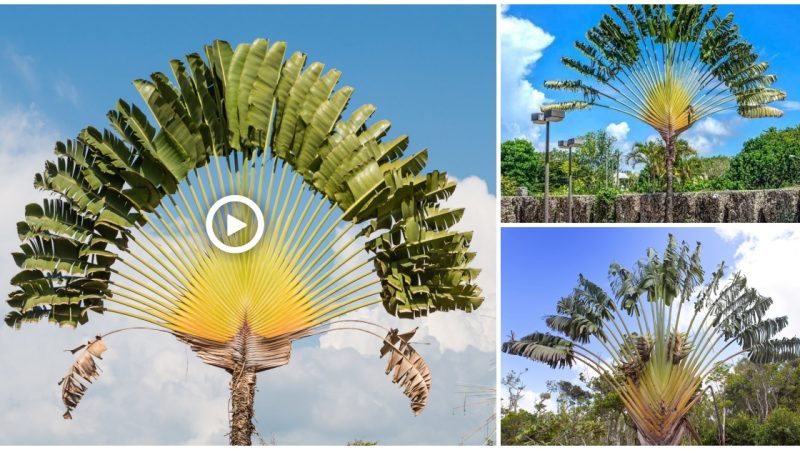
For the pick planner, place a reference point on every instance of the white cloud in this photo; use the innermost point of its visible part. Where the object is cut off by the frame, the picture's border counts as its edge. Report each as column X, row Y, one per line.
column 710, row 134
column 789, row 105
column 154, row 390
column 454, row 330
column 765, row 255
column 521, row 45
column 530, row 399
column 620, row 131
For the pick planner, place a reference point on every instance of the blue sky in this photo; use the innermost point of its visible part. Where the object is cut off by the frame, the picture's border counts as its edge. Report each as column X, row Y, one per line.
column 541, row 265
column 429, row 70
column 770, row 28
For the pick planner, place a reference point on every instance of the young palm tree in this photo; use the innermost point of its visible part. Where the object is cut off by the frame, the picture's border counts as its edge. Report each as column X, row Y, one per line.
column 653, row 155
column 349, row 222
column 646, row 349
column 669, row 66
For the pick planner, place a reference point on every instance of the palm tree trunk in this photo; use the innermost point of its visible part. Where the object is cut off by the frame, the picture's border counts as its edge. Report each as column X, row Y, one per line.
column 243, row 392
column 671, row 439
column 669, row 145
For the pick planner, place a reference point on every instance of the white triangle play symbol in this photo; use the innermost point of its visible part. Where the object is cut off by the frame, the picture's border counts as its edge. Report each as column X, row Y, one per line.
column 232, row 225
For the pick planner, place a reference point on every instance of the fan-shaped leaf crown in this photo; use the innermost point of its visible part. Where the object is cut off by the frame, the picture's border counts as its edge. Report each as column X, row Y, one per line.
column 255, row 121
column 669, row 66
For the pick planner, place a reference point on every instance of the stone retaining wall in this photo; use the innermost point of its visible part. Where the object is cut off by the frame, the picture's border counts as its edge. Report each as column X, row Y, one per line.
column 774, row 205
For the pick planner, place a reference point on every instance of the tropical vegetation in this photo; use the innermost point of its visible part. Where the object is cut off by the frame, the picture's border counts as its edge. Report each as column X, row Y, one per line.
column 770, row 160
column 752, row 404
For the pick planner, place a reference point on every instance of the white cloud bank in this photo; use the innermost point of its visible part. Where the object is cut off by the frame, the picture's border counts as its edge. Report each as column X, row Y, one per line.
column 521, row 45
column 767, row 255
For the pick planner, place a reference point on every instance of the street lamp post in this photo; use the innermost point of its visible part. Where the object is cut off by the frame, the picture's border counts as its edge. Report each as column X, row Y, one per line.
column 544, row 118
column 568, row 144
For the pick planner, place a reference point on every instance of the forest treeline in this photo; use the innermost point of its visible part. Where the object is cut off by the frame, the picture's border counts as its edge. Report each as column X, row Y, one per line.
column 768, row 161
column 746, row 404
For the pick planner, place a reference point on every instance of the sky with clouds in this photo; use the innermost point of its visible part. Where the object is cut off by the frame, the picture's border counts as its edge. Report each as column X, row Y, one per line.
column 54, row 81
column 531, row 287
column 535, row 37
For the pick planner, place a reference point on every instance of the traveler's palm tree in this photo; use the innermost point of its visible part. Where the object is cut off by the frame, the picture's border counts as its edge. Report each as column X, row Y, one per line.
column 659, row 335
column 669, row 67
column 349, row 222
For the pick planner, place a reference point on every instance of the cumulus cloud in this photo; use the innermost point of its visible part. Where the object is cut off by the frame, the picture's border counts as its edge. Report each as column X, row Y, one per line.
column 521, row 45
column 620, row 131
column 530, row 399
column 710, row 134
column 764, row 254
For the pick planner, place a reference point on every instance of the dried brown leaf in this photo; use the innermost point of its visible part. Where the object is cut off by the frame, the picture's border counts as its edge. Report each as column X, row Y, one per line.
column 411, row 372
column 84, row 367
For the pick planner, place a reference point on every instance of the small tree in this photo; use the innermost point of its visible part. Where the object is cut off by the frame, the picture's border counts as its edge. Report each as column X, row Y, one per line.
column 513, row 384
column 520, row 164
column 653, row 155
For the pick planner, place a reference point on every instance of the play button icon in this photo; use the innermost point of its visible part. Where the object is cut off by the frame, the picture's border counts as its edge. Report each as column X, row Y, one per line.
column 234, row 224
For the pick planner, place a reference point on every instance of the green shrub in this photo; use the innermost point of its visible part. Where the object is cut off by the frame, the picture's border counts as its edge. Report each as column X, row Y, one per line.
column 604, row 205
column 742, row 429
column 782, row 427
column 770, row 160
column 508, row 187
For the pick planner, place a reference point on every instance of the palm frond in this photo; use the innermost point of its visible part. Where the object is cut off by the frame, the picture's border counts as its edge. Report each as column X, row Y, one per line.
column 410, row 371
column 83, row 370
column 552, row 350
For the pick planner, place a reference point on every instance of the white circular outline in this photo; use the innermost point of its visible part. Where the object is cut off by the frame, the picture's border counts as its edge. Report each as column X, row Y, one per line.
column 210, row 223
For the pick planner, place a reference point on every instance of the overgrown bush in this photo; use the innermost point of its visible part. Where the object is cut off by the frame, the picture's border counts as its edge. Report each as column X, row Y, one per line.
column 769, row 161
column 508, row 187
column 604, row 205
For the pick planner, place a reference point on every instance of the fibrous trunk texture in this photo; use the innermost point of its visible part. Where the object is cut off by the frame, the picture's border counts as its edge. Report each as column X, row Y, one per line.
column 243, row 356
column 672, row 439
column 669, row 145
column 243, row 392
